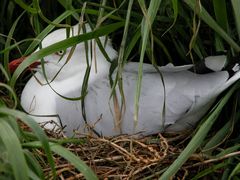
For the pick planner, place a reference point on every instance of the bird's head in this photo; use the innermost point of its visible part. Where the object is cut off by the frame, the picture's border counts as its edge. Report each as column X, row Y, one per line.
column 67, row 62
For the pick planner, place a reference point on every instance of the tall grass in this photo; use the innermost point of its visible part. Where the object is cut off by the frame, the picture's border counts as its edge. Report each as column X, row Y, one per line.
column 157, row 32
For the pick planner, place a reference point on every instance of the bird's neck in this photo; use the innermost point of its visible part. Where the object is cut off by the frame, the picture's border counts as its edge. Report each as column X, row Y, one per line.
column 75, row 78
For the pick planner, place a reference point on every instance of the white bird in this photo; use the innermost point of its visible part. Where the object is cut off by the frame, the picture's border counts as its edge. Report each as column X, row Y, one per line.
column 188, row 96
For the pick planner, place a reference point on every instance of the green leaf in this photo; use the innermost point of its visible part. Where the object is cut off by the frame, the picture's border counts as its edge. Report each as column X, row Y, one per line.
column 46, row 31
column 8, row 41
column 236, row 11
column 26, row 7
column 220, row 10
column 36, row 129
column 235, row 171
column 149, row 16
column 14, row 151
column 79, row 164
column 175, row 14
column 209, row 170
column 33, row 164
column 204, row 15
column 73, row 159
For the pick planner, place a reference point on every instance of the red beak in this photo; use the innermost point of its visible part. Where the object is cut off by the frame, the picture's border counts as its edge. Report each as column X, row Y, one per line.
column 16, row 62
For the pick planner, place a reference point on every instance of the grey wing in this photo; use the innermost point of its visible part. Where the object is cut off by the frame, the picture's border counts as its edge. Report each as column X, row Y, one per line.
column 205, row 90
column 151, row 106
column 132, row 67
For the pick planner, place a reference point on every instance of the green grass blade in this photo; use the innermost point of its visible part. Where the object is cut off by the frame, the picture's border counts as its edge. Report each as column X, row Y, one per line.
column 68, row 6
column 104, row 16
column 221, row 135
column 218, row 137
column 15, row 126
column 8, row 42
column 16, row 45
column 32, row 175
column 44, row 18
column 36, row 129
column 14, row 151
column 209, row 170
column 132, row 43
column 204, row 15
column 198, row 137
column 73, row 159
column 163, row 47
column 149, row 16
column 26, row 7
column 228, row 151
column 4, row 72
column 12, row 92
column 234, row 172
column 33, row 164
column 46, row 31
column 79, row 164
column 220, row 10
column 175, row 15
column 236, row 11
column 120, row 111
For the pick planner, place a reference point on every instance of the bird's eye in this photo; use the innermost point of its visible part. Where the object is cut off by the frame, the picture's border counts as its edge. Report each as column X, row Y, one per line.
column 60, row 53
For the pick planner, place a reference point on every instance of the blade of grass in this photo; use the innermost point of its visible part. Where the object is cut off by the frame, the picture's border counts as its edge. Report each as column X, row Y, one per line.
column 14, row 151
column 228, row 150
column 92, row 11
column 4, row 72
column 210, row 170
column 164, row 48
column 26, row 7
column 221, row 135
column 235, row 171
column 33, row 164
column 220, row 10
column 118, row 79
column 73, row 159
column 8, row 42
column 32, row 175
column 12, row 92
column 175, row 15
column 218, row 137
column 104, row 16
column 133, row 41
column 44, row 18
column 46, row 31
column 36, row 129
column 15, row 126
column 16, row 45
column 227, row 170
column 149, row 16
column 68, row 6
column 204, row 15
column 236, row 5
column 79, row 164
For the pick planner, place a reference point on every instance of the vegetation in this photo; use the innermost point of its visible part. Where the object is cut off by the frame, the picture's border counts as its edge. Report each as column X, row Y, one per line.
column 157, row 32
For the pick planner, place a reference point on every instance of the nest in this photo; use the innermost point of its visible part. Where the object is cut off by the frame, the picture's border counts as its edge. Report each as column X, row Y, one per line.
column 125, row 157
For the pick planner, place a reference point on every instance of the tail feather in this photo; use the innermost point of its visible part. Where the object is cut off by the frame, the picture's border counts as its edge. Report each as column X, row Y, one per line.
column 230, row 81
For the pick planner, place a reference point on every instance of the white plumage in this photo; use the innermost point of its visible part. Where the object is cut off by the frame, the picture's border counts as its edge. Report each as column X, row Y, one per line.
column 188, row 96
